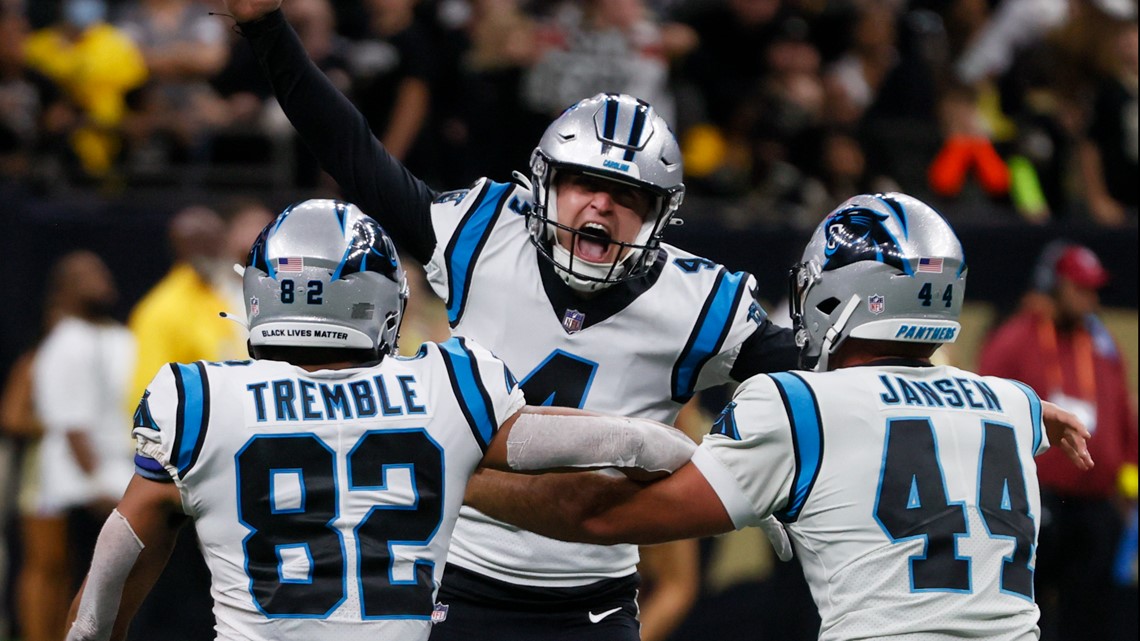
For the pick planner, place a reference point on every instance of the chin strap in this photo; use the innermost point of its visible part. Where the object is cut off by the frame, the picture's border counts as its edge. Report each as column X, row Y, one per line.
column 834, row 333
column 563, row 261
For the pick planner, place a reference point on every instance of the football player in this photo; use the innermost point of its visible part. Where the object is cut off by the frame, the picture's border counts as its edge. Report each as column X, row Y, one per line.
column 909, row 490
column 325, row 476
column 565, row 277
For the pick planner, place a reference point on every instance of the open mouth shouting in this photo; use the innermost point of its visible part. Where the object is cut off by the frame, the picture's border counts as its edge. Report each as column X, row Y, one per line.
column 593, row 243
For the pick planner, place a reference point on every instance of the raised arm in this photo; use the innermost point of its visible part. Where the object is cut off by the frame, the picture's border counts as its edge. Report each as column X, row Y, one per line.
column 336, row 132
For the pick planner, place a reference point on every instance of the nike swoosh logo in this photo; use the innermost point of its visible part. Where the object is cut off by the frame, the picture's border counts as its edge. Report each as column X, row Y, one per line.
column 594, row 618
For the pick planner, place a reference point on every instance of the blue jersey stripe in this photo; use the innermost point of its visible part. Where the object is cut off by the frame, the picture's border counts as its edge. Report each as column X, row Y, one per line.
column 191, row 426
column 469, row 391
column 708, row 334
column 807, row 439
column 1034, row 413
column 465, row 246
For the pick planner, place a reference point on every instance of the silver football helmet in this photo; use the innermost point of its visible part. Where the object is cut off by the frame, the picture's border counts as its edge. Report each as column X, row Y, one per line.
column 880, row 267
column 323, row 274
column 616, row 137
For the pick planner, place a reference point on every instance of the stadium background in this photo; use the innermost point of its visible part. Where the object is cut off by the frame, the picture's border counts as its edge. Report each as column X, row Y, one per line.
column 765, row 168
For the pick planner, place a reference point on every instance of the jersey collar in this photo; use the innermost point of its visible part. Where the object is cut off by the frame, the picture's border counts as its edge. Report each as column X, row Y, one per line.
column 602, row 305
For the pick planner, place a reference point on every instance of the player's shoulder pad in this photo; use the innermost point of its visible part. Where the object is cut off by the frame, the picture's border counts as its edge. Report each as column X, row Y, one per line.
column 483, row 361
column 758, row 388
column 173, row 415
column 487, row 391
column 1040, row 440
column 457, row 197
column 155, row 424
column 698, row 273
column 687, row 262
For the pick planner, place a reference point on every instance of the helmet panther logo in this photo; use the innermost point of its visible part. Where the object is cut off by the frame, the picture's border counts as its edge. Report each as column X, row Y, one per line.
column 859, row 234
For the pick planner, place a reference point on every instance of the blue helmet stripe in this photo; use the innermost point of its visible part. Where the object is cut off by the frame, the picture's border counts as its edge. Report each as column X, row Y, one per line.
column 281, row 217
column 635, row 131
column 807, row 439
column 610, row 127
column 341, row 214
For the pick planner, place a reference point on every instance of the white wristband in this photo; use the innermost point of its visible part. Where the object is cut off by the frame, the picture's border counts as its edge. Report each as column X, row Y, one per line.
column 544, row 441
column 115, row 553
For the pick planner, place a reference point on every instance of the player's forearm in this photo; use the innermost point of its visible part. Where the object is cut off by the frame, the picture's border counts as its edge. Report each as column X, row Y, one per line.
column 559, row 506
column 130, row 554
column 339, row 135
column 94, row 613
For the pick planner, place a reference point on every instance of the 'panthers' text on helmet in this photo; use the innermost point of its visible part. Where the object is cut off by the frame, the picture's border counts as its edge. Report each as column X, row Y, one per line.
column 617, row 137
column 323, row 274
column 880, row 267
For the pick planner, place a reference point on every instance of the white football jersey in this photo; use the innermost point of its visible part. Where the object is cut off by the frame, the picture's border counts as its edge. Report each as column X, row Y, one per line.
column 910, row 494
column 324, row 502
column 637, row 351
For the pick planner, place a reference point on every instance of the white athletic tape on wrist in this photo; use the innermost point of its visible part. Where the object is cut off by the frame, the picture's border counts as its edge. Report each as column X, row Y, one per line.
column 544, row 441
column 115, row 554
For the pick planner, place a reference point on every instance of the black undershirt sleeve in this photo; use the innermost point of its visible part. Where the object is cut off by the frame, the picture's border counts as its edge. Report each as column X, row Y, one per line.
column 340, row 138
column 769, row 349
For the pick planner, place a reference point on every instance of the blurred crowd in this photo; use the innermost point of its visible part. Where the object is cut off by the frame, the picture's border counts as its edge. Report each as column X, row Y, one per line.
column 66, row 454
column 784, row 106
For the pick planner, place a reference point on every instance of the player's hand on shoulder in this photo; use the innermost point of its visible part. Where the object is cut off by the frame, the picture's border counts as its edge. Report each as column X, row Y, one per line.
column 1067, row 432
column 247, row 10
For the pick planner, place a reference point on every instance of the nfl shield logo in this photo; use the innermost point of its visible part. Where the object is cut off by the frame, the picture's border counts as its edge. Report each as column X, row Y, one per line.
column 572, row 321
column 876, row 304
column 439, row 613
column 254, row 306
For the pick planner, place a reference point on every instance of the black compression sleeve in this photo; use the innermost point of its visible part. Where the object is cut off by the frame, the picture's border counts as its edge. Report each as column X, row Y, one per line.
column 769, row 349
column 340, row 138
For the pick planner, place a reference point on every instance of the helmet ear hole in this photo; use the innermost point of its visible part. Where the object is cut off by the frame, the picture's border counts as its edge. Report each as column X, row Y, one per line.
column 828, row 305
